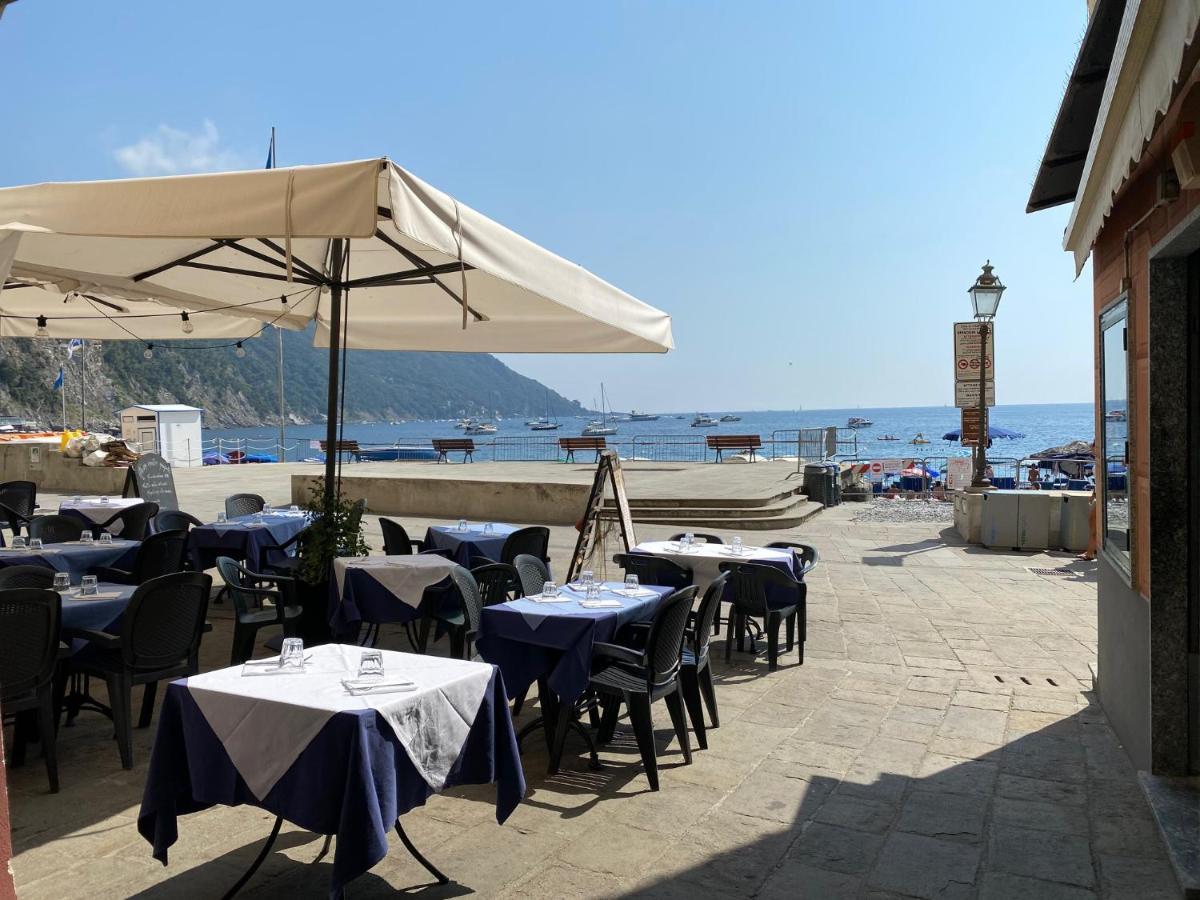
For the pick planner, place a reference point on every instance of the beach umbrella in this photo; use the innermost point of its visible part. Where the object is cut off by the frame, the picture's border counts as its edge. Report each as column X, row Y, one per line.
column 375, row 257
column 1081, row 450
column 919, row 471
column 994, row 432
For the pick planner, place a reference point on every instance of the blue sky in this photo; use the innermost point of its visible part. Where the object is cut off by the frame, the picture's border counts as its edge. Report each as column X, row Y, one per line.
column 808, row 188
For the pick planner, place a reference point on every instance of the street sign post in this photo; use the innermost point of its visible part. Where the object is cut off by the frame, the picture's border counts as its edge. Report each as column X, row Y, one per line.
column 966, row 353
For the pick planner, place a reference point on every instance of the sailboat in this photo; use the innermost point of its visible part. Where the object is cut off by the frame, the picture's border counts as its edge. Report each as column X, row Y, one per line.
column 544, row 423
column 599, row 427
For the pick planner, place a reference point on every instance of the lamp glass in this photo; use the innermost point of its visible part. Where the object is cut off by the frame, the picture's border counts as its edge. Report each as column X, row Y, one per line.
column 986, row 299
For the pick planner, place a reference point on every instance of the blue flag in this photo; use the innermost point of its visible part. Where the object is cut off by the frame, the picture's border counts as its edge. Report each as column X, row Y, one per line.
column 58, row 382
column 73, row 345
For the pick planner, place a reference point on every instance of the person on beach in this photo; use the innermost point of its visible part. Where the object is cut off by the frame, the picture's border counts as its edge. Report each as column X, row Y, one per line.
column 1035, row 478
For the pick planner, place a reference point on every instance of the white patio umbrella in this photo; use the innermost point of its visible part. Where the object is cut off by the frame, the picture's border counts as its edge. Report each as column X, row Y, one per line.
column 376, row 257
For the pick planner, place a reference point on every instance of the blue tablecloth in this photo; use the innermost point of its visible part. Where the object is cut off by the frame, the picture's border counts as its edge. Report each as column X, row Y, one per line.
column 468, row 546
column 364, row 599
column 529, row 640
column 96, row 614
column 240, row 538
column 354, row 779
column 75, row 559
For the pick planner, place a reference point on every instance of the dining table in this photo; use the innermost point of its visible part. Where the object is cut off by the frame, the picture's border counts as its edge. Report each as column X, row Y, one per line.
column 549, row 640
column 704, row 559
column 336, row 755
column 378, row 590
column 99, row 611
column 74, row 557
column 472, row 545
column 97, row 510
column 253, row 539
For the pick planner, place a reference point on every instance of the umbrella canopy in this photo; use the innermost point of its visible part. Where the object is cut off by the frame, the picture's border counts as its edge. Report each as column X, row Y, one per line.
column 994, row 432
column 919, row 471
column 377, row 258
column 1072, row 450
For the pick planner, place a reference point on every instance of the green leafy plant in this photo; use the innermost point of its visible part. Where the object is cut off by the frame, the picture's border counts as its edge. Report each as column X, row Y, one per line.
column 336, row 530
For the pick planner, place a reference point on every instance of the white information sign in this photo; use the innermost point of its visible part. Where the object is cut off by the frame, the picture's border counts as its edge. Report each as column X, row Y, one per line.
column 958, row 472
column 966, row 394
column 966, row 351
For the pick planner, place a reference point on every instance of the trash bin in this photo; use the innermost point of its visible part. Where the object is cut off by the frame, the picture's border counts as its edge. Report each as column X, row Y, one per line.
column 1074, row 525
column 834, row 484
column 817, row 483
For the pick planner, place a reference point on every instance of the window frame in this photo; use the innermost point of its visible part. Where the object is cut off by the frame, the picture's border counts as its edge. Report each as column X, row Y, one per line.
column 1116, row 313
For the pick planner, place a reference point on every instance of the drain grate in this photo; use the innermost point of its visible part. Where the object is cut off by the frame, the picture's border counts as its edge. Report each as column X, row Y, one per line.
column 1059, row 572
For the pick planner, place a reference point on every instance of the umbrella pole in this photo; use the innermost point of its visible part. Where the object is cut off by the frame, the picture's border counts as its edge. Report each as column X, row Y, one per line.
column 337, row 256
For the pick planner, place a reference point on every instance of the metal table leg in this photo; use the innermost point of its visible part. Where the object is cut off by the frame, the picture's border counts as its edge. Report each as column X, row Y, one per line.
column 262, row 855
column 416, row 854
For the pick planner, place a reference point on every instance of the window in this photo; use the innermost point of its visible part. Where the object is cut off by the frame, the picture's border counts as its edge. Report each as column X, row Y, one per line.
column 1112, row 460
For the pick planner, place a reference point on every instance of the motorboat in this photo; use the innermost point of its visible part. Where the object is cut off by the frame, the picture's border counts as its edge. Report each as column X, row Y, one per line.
column 730, row 417
column 544, row 425
column 1115, row 415
column 858, row 422
column 705, row 421
column 465, row 423
column 635, row 416
column 480, row 428
column 887, row 437
column 920, row 439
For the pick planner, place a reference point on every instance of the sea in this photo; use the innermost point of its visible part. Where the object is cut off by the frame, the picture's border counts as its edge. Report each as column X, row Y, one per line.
column 1043, row 426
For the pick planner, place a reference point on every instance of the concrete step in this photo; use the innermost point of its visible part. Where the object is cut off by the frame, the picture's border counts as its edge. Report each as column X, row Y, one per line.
column 784, row 493
column 716, row 511
column 789, row 517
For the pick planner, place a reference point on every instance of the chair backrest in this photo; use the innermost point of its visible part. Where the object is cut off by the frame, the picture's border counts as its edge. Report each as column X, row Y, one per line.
column 175, row 520
column 709, row 605
column 534, row 541
column 26, row 577
column 243, row 505
column 396, row 541
column 806, row 555
column 163, row 623
column 664, row 644
column 160, row 554
column 236, row 578
column 29, row 626
column 135, row 521
column 532, row 572
column 495, row 580
column 468, row 591
column 751, row 582
column 20, row 497
column 699, row 536
column 55, row 529
column 654, row 570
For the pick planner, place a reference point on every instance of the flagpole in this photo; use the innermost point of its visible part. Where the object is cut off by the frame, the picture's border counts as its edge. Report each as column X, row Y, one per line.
column 271, row 163
column 62, row 389
column 82, row 382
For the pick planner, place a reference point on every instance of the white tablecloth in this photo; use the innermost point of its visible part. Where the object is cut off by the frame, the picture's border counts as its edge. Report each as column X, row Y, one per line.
column 265, row 720
column 405, row 577
column 705, row 559
column 92, row 509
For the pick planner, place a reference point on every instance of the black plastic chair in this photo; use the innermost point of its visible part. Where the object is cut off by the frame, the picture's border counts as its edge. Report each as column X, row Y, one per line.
column 396, row 541
column 698, row 536
column 497, row 582
column 41, row 577
column 655, row 570
column 752, row 582
column 243, row 505
column 160, row 638
column 638, row 678
column 250, row 616
column 18, row 502
column 806, row 556
column 532, row 572
column 135, row 522
column 695, row 672
column 160, row 554
column 175, row 520
column 532, row 541
column 284, row 559
column 463, row 637
column 29, row 628
column 55, row 529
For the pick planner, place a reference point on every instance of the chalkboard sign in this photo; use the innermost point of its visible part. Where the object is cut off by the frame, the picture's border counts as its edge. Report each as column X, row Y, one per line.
column 608, row 473
column 150, row 478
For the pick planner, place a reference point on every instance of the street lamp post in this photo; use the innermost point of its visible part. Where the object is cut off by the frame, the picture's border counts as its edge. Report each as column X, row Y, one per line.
column 985, row 299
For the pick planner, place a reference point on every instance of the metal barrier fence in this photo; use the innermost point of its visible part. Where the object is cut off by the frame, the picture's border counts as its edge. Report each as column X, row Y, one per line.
column 1005, row 473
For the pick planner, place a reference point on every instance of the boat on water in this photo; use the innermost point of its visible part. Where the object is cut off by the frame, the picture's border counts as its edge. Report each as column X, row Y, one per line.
column 635, row 416
column 920, row 439
column 703, row 420
column 730, row 417
column 1115, row 415
column 480, row 428
column 858, row 422
column 395, row 453
column 886, row 437
column 544, row 425
column 602, row 426
column 465, row 423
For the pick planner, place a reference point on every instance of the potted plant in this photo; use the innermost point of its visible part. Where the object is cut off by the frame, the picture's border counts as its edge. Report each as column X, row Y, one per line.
column 336, row 530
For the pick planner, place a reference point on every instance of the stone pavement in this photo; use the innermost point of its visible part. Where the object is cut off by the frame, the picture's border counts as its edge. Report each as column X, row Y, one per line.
column 939, row 741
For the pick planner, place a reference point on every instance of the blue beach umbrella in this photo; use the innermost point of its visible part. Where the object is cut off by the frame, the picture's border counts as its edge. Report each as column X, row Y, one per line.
column 994, row 432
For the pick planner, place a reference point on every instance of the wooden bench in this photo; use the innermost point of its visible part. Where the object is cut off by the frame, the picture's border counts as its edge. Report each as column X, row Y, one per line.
column 722, row 442
column 571, row 444
column 350, row 447
column 465, row 446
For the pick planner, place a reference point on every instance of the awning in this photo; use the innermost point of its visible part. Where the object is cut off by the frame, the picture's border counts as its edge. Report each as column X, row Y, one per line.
column 1145, row 68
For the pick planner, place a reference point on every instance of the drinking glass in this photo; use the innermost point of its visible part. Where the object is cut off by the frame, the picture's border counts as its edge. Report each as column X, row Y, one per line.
column 106, row 538
column 35, row 544
column 592, row 590
column 462, row 524
column 587, row 577
column 76, row 500
column 19, row 542
column 549, row 589
column 488, row 528
column 631, row 583
column 291, row 656
column 87, row 585
column 294, row 508
column 104, row 499
column 222, row 518
column 87, row 538
column 370, row 664
column 62, row 582
column 736, row 543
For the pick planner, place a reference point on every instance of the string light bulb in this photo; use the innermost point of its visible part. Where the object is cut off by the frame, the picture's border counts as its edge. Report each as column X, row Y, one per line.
column 283, row 299
column 186, row 323
column 239, row 351
column 41, row 331
column 148, row 353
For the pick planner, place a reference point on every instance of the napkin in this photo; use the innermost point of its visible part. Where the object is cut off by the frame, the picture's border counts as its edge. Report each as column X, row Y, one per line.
column 542, row 598
column 359, row 686
column 600, row 604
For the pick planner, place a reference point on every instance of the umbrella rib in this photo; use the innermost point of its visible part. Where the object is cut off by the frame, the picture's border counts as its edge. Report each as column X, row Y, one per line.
column 269, row 260
column 231, row 270
column 311, row 270
column 427, row 271
column 427, row 267
column 183, row 260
